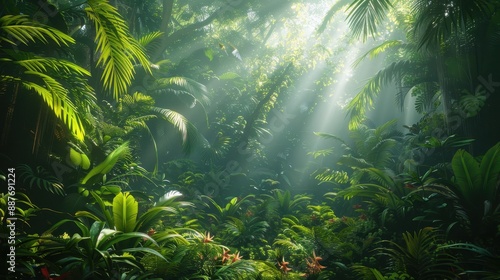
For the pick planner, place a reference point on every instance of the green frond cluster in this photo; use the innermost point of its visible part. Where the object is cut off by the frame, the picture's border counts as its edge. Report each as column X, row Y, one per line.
column 116, row 48
column 15, row 29
column 47, row 76
column 364, row 100
column 366, row 15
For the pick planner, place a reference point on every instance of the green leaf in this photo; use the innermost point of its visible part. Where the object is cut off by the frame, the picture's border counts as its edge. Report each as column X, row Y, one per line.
column 229, row 76
column 125, row 209
column 490, row 171
column 110, row 161
column 467, row 175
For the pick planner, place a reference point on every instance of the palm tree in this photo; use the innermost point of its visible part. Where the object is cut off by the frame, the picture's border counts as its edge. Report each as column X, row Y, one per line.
column 61, row 84
column 449, row 44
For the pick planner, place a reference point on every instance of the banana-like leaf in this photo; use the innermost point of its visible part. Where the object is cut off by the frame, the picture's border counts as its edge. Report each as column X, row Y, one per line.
column 467, row 176
column 125, row 209
column 490, row 171
column 110, row 161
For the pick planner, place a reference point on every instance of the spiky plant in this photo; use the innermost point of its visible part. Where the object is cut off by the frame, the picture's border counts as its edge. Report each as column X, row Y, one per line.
column 421, row 256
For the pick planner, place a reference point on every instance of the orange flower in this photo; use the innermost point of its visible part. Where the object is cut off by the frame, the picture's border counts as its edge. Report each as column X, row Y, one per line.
column 313, row 265
column 225, row 255
column 236, row 257
column 207, row 238
column 284, row 266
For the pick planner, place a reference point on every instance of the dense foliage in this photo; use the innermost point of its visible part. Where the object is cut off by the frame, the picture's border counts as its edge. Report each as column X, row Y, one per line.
column 180, row 139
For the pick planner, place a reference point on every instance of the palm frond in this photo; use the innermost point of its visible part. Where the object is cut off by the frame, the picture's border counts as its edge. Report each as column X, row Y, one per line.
column 329, row 175
column 365, row 99
column 329, row 15
column 151, row 41
column 436, row 21
column 329, row 136
column 365, row 16
column 117, row 49
column 56, row 97
column 195, row 88
column 376, row 51
column 40, row 178
column 16, row 29
column 188, row 131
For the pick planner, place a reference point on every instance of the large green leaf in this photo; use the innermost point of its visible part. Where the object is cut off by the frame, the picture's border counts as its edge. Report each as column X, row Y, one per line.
column 125, row 209
column 490, row 171
column 467, row 176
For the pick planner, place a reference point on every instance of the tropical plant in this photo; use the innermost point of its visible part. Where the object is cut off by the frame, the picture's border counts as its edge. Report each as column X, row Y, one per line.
column 58, row 82
column 94, row 253
column 372, row 148
column 422, row 256
column 124, row 215
column 40, row 177
column 475, row 191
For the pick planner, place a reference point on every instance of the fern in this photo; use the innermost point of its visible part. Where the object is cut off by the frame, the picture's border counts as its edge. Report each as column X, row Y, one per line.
column 40, row 178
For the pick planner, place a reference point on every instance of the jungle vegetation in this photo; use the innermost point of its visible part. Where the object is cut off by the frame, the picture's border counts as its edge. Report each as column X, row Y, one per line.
column 290, row 139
